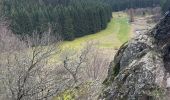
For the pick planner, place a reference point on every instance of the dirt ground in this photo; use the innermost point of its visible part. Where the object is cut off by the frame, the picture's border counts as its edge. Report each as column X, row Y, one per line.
column 141, row 24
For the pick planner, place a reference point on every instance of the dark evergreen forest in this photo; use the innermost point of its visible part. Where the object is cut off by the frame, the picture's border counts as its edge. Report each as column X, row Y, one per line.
column 165, row 5
column 67, row 18
column 118, row 5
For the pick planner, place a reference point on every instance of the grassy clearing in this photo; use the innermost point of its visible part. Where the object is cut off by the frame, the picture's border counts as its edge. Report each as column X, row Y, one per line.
column 123, row 34
column 116, row 33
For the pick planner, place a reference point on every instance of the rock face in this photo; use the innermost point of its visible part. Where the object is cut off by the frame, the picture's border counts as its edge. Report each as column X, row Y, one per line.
column 140, row 70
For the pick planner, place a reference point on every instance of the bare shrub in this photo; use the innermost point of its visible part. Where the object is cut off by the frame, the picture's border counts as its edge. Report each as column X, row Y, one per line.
column 146, row 11
column 87, row 67
column 25, row 72
column 8, row 41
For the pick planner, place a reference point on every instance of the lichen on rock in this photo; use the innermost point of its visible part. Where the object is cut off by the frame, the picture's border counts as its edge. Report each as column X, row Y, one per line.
column 140, row 69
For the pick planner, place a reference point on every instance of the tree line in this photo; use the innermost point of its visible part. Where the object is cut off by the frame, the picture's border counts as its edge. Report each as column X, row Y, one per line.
column 118, row 5
column 67, row 18
column 165, row 5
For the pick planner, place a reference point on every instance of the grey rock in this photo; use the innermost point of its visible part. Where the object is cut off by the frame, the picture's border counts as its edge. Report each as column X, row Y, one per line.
column 141, row 67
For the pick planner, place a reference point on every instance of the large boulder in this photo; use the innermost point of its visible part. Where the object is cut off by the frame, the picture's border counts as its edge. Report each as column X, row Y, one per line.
column 140, row 70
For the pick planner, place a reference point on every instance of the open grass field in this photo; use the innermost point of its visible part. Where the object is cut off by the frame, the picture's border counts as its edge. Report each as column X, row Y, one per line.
column 116, row 33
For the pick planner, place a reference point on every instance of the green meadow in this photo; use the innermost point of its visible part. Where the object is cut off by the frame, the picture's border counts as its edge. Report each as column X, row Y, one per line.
column 116, row 33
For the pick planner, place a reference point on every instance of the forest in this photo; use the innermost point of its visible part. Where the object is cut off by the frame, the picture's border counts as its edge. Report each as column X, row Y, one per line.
column 118, row 5
column 165, row 5
column 67, row 18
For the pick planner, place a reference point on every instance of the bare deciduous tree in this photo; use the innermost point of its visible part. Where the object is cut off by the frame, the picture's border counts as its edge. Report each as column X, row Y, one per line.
column 87, row 66
column 25, row 72
column 72, row 62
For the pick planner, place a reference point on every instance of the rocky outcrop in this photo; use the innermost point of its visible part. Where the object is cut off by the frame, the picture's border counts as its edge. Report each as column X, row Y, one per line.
column 140, row 70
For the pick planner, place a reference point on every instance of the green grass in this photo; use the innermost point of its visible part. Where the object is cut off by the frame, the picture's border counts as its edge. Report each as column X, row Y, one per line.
column 116, row 33
column 123, row 34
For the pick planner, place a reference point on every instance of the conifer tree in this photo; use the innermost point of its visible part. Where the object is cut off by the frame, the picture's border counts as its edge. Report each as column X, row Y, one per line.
column 68, row 18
